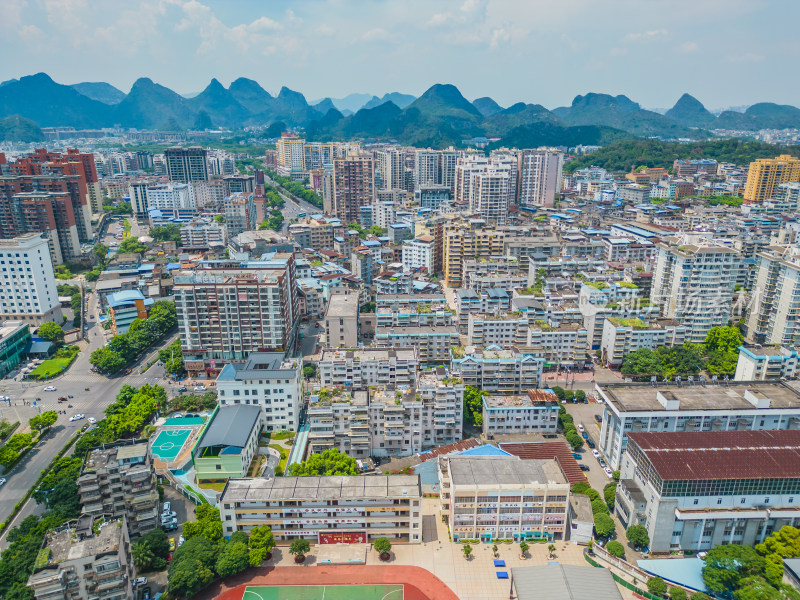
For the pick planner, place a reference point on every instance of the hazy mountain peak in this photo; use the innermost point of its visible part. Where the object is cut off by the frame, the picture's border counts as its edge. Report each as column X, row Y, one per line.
column 689, row 111
column 487, row 106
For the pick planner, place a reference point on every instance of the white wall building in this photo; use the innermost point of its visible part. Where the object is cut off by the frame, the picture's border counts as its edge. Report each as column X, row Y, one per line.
column 28, row 293
column 631, row 407
column 623, row 336
column 170, row 196
column 773, row 315
column 535, row 412
column 540, row 176
column 767, row 364
column 359, row 368
column 418, row 253
column 269, row 381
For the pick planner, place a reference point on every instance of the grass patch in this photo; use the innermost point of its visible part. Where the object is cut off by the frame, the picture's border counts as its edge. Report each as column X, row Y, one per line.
column 280, row 435
column 281, row 468
column 126, row 229
column 52, row 367
column 217, row 487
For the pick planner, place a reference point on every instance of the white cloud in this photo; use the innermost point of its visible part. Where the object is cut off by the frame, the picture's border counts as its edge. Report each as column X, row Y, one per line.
column 470, row 5
column 439, row 19
column 688, row 47
column 645, row 35
column 499, row 35
column 324, row 30
column 374, row 35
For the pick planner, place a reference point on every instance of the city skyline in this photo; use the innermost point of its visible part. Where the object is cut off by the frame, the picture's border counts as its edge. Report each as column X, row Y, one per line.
column 619, row 49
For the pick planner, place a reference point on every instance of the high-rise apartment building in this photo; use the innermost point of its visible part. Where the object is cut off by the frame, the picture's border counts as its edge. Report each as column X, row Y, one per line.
column 540, row 176
column 390, row 169
column 766, row 174
column 240, row 213
column 186, row 165
column 490, row 195
column 464, row 241
column 120, row 481
column 693, row 282
column 137, row 192
column 352, row 186
column 228, row 309
column 773, row 316
column 28, row 292
column 290, row 155
column 169, row 196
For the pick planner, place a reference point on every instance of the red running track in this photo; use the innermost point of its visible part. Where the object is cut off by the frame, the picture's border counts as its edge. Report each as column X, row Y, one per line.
column 420, row 584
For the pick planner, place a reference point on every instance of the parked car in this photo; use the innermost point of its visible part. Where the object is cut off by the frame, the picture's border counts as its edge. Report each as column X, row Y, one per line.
column 598, row 418
column 200, row 388
column 77, row 417
column 169, row 515
column 585, row 435
column 576, row 456
column 172, row 544
column 581, row 428
column 590, row 442
column 609, row 472
column 140, row 581
column 583, row 467
column 2, row 480
column 180, row 541
column 92, row 420
column 62, row 399
column 595, row 453
column 167, row 506
column 50, row 388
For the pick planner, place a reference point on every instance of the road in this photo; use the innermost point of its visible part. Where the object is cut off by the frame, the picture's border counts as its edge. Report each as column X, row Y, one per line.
column 293, row 205
column 102, row 392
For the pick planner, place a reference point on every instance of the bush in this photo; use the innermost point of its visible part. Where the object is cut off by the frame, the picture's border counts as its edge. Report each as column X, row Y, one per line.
column 616, row 549
column 609, row 494
column 603, row 526
column 657, row 586
column 637, row 536
column 677, row 593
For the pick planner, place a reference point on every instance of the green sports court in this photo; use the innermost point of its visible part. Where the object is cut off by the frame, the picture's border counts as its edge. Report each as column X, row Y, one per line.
column 324, row 592
column 169, row 442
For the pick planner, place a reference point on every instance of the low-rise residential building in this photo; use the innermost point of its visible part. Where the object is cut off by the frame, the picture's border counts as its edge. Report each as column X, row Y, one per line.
column 503, row 329
column 560, row 347
column 125, row 307
column 119, row 481
column 82, row 560
column 203, row 235
column 334, row 509
column 488, row 497
column 623, row 336
column 696, row 490
column 496, row 370
column 228, row 443
column 536, row 411
column 491, row 301
column 633, row 407
column 341, row 321
column 316, row 234
column 413, row 316
column 432, row 343
column 418, row 253
column 767, row 364
column 268, row 380
column 360, row 368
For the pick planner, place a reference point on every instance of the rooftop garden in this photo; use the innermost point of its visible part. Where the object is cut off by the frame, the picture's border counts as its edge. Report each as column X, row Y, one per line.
column 634, row 322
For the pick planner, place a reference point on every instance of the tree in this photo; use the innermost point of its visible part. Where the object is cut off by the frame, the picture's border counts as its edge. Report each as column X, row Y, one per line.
column 382, row 546
column 580, row 487
column 219, row 218
column 107, row 360
column 724, row 339
column 700, row 596
column 261, row 544
column 637, row 536
column 233, row 559
column 467, row 550
column 758, row 588
column 677, row 593
column 299, row 547
column 551, row 549
column 603, row 525
column 330, row 462
column 52, row 332
column 610, row 494
column 642, row 362
column 101, row 252
column 657, row 586
column 43, row 421
column 580, row 395
column 615, row 549
column 727, row 564
column 574, row 439
column 473, row 403
column 132, row 246
column 142, row 556
column 599, row 507
column 784, row 542
column 166, row 233
column 192, row 566
column 310, row 371
column 240, row 536
column 523, row 547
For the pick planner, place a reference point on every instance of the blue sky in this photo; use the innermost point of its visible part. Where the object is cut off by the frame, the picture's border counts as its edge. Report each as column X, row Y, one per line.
column 724, row 52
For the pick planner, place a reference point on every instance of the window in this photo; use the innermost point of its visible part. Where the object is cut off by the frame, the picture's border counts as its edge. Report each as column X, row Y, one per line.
column 719, row 500
column 695, row 501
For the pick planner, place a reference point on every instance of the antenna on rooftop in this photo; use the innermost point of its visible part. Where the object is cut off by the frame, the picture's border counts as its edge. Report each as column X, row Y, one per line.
column 653, row 379
column 678, row 379
column 690, row 379
column 714, row 379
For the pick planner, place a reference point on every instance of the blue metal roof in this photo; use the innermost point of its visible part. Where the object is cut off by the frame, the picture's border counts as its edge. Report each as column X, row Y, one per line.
column 684, row 571
column 485, row 450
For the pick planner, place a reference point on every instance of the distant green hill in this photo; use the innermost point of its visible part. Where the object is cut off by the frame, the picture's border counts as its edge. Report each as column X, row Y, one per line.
column 100, row 91
column 19, row 129
column 689, row 111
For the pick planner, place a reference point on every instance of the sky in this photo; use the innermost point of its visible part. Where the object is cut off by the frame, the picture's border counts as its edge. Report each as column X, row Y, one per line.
column 723, row 52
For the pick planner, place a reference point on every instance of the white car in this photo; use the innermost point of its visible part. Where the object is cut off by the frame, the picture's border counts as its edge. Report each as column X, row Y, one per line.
column 599, row 400
column 609, row 472
column 2, row 480
column 139, row 581
column 92, row 420
column 595, row 453
column 200, row 388
column 167, row 506
column 581, row 428
column 50, row 388
column 77, row 417
column 180, row 541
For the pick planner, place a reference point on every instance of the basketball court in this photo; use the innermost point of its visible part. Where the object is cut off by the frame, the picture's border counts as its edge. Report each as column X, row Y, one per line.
column 169, row 442
column 324, row 592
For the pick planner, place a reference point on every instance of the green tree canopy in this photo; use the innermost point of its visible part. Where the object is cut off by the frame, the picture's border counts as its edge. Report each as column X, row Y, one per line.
column 299, row 547
column 382, row 545
column 603, row 525
column 132, row 245
column 637, row 536
column 724, row 339
column 677, row 593
column 233, row 559
column 657, row 586
column 615, row 549
column 330, row 462
column 261, row 544
column 52, row 332
column 727, row 564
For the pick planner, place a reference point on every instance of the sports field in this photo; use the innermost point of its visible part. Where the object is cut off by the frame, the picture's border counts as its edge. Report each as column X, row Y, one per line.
column 168, row 443
column 324, row 592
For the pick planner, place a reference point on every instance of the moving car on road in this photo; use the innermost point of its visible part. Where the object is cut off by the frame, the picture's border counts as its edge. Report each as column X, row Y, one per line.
column 50, row 388
column 77, row 417
column 2, row 480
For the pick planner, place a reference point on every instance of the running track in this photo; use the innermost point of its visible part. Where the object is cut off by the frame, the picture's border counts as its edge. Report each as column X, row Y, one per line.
column 425, row 586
